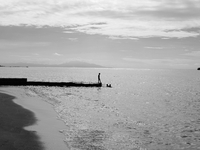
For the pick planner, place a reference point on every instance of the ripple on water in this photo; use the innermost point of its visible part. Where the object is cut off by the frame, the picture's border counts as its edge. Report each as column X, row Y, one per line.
column 88, row 140
column 159, row 116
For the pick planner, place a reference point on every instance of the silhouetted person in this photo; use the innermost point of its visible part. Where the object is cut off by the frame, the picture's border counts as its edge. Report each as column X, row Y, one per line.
column 99, row 79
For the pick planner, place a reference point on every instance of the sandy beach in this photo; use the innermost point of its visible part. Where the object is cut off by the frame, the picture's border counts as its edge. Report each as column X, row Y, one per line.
column 28, row 123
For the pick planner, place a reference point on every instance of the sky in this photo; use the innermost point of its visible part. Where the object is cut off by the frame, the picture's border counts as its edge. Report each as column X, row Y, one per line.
column 112, row 33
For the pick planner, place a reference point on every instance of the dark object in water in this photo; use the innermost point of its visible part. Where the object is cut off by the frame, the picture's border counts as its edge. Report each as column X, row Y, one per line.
column 24, row 82
column 198, row 68
column 108, row 85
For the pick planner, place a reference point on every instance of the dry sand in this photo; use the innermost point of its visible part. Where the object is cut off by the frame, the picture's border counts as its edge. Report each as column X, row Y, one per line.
column 47, row 126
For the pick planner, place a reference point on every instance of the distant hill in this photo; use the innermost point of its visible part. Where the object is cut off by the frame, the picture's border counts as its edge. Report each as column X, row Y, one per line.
column 78, row 64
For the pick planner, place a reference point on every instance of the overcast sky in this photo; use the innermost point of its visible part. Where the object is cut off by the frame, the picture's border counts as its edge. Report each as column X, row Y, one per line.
column 114, row 33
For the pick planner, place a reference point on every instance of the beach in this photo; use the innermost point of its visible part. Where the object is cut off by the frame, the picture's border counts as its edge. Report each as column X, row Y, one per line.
column 28, row 123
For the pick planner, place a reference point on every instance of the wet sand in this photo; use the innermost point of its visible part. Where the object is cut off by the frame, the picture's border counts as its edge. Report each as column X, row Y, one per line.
column 28, row 123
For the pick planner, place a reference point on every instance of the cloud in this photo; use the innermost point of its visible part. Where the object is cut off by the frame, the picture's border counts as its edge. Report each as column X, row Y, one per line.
column 10, row 44
column 73, row 39
column 57, row 54
column 36, row 54
column 177, row 9
column 122, row 38
column 154, row 47
column 165, row 38
column 68, row 31
column 164, row 63
column 114, row 18
column 193, row 53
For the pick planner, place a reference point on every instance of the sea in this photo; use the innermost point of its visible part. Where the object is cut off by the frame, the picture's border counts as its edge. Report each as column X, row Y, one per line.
column 146, row 109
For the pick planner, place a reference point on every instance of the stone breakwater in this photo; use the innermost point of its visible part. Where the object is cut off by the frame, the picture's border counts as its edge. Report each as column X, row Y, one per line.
column 24, row 82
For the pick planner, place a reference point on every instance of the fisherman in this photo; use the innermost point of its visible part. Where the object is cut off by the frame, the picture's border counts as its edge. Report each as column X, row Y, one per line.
column 99, row 79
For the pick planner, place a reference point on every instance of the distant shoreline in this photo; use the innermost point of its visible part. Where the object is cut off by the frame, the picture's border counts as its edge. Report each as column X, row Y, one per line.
column 15, row 66
column 67, row 64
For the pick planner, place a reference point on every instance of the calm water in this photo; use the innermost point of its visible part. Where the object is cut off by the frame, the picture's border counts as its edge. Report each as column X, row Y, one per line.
column 145, row 109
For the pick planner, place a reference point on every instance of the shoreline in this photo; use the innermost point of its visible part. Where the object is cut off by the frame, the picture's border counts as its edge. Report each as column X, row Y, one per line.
column 44, row 124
